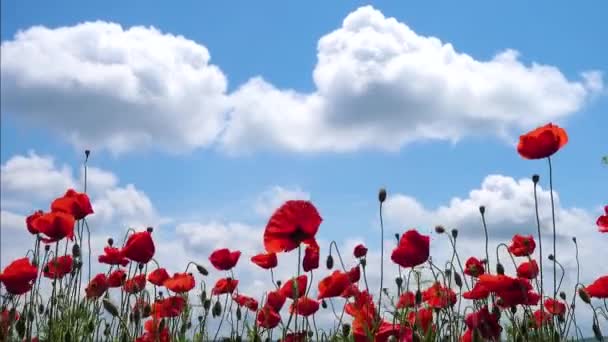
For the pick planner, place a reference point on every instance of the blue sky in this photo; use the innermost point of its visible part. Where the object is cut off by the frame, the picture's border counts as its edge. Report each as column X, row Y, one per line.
column 222, row 180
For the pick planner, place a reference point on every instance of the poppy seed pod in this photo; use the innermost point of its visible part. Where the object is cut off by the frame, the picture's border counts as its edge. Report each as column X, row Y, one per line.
column 454, row 233
column 574, row 239
column 382, row 195
column 535, row 178
column 439, row 229
column 110, row 242
column 482, row 209
column 279, row 283
column 149, row 229
column 399, row 281
column 551, row 257
column 363, row 263
column 329, row 263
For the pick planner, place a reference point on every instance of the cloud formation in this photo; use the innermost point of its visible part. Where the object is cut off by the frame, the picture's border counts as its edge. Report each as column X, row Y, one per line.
column 377, row 84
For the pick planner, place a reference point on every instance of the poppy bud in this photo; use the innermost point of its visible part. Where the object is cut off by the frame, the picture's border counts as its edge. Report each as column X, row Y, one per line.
column 345, row 329
column 597, row 332
column 399, row 281
column 136, row 316
column 45, row 269
column 397, row 237
column 76, row 250
column 207, row 304
column 439, row 229
column 329, row 262
column 279, row 283
column 513, row 309
column 40, row 309
column 382, row 195
column 47, row 248
column 448, row 273
column 584, row 295
column 562, row 295
column 551, row 257
column 418, row 297
column 238, row 313
column 535, row 178
column 217, row 309
column 363, row 263
column 500, row 269
column 457, row 279
column 149, row 229
column 140, row 266
column 110, row 307
column 574, row 239
column 110, row 242
column 482, row 209
column 160, row 294
column 323, row 304
column 183, row 328
column 161, row 325
column 202, row 270
column 454, row 233
column 35, row 263
column 87, row 153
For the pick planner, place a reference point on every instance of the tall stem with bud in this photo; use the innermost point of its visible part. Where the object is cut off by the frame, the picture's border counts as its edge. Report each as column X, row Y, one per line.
column 381, row 199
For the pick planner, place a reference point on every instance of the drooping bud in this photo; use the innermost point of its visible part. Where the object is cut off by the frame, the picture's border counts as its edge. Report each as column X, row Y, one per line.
column 202, row 270
column 382, row 195
column 562, row 295
column 397, row 237
column 110, row 307
column 584, row 295
column 457, row 279
column 203, row 296
column 439, row 229
column 329, row 263
column 207, row 304
column 418, row 297
column 217, row 309
column 500, row 269
column 238, row 313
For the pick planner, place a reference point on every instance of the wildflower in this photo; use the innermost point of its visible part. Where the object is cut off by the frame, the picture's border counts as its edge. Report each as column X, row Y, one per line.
column 248, row 302
column 55, row 225
column 180, row 282
column 117, row 278
column 268, row 318
column 413, row 249
column 265, row 260
column 97, row 286
column 58, row 267
column 139, row 247
column 135, row 284
column 225, row 285
column 295, row 222
column 542, row 142
column 223, row 259
column 311, row 258
column 522, row 245
column 528, row 270
column 158, row 276
column 599, row 288
column 333, row 285
column 602, row 221
column 439, row 297
column 304, row 306
column 360, row 251
column 113, row 256
column 295, row 287
column 18, row 276
column 74, row 203
column 473, row 267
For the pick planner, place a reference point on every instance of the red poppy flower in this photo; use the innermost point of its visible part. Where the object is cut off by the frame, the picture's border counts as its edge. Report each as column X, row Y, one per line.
column 541, row 318
column 74, row 203
column 295, row 222
column 304, row 306
column 467, row 336
column 139, row 247
column 265, row 260
column 413, row 249
column 364, row 314
column 135, row 284
column 113, row 256
column 360, row 251
column 58, row 267
column 602, row 221
column 275, row 300
column 474, row 268
column 542, row 142
column 350, row 291
column 522, row 245
column 158, row 276
column 169, row 307
column 518, row 292
column 406, row 300
column 311, row 259
column 153, row 332
column 486, row 323
column 55, row 226
column 599, row 288
column 268, row 318
column 528, row 269
column 333, row 285
column 30, row 219
column 477, row 292
column 6, row 321
column 423, row 318
column 117, row 278
column 18, row 276
column 385, row 331
column 555, row 307
column 248, row 302
column 354, row 274
column 180, row 282
column 496, row 283
column 225, row 285
column 223, row 259
column 97, row 286
column 439, row 297
column 295, row 288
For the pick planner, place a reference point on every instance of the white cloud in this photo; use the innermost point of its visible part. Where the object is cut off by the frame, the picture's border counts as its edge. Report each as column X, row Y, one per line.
column 97, row 84
column 271, row 199
column 377, row 84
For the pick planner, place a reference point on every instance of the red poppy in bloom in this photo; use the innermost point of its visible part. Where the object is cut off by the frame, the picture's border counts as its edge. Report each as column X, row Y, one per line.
column 364, row 315
column 58, row 267
column 180, row 282
column 275, row 300
column 602, row 221
column 294, row 288
column 265, row 260
column 74, row 203
column 413, row 249
column 542, row 142
column 139, row 247
column 248, row 302
column 350, row 291
column 18, row 276
column 224, row 285
column 169, row 307
column 223, row 259
column 135, row 284
column 384, row 332
column 360, row 251
column 406, row 300
column 518, row 292
column 473, row 267
column 541, row 318
column 333, row 285
column 477, row 292
column 304, row 306
column 467, row 336
column 486, row 323
column 113, row 256
column 158, row 276
column 439, row 297
column 154, row 333
column 522, row 245
column 30, row 219
column 354, row 274
column 295, row 222
column 496, row 283
column 528, row 269
column 599, row 288
column 6, row 321
column 97, row 286
column 268, row 318
column 423, row 318
column 311, row 258
column 55, row 226
column 555, row 307
column 117, row 278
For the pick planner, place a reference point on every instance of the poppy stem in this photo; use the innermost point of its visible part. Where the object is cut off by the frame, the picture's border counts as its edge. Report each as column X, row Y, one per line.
column 381, row 264
column 554, row 235
column 540, row 250
column 485, row 230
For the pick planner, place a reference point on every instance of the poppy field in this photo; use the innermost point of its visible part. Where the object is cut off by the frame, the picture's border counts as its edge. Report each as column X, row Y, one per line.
column 50, row 294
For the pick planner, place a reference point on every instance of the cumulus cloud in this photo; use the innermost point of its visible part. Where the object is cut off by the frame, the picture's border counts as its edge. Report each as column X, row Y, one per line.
column 377, row 84
column 97, row 84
